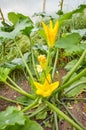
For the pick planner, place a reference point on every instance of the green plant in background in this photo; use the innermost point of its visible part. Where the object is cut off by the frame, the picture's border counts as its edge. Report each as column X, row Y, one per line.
column 41, row 64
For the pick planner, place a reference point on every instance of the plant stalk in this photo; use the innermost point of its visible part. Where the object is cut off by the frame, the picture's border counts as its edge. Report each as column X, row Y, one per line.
column 30, row 106
column 20, row 91
column 74, row 86
column 65, row 117
column 10, row 100
column 75, row 67
column 14, row 84
column 56, row 121
column 54, row 68
column 48, row 57
column 72, row 116
column 37, row 111
column 77, row 77
column 27, row 67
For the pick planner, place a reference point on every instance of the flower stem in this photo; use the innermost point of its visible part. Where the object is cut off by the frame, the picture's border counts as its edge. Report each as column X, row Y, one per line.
column 56, row 121
column 32, row 97
column 54, row 68
column 7, row 99
column 48, row 57
column 74, row 68
column 54, row 108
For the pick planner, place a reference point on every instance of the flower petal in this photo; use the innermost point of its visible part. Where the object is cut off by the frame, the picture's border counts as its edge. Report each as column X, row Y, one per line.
column 54, row 86
column 38, row 85
column 47, row 80
column 51, row 32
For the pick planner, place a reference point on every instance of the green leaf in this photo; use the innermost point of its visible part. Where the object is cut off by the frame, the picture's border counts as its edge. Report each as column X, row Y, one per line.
column 76, row 88
column 29, row 125
column 4, row 72
column 10, row 117
column 13, row 17
column 12, row 66
column 18, row 28
column 17, row 17
column 70, row 14
column 70, row 42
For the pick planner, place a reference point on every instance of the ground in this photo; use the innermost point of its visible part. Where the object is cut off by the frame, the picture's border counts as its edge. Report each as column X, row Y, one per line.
column 78, row 109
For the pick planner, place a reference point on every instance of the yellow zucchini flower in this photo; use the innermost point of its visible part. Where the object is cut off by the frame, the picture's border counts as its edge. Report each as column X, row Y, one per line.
column 46, row 88
column 51, row 32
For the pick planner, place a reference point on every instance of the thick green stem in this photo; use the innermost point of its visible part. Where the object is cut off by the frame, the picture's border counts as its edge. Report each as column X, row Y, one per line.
column 54, row 68
column 77, row 77
column 7, row 99
column 65, row 117
column 74, row 68
column 48, row 57
column 30, row 106
column 14, row 84
column 56, row 121
column 32, row 97
column 29, row 72
column 20, row 91
column 72, row 116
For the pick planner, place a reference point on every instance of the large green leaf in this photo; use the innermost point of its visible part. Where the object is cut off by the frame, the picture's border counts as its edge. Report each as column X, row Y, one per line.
column 18, row 27
column 13, row 119
column 10, row 117
column 70, row 42
column 4, row 73
column 29, row 125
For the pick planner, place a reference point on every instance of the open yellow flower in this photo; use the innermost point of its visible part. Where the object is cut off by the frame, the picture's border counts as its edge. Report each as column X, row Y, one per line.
column 46, row 88
column 51, row 32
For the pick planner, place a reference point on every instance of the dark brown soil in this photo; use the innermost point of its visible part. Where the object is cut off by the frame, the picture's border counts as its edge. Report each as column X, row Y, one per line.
column 78, row 109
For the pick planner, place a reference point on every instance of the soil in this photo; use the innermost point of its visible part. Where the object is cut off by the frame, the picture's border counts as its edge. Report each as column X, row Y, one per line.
column 78, row 109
